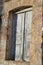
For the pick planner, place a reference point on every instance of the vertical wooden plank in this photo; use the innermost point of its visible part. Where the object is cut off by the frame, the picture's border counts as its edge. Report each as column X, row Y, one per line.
column 22, row 30
column 28, row 22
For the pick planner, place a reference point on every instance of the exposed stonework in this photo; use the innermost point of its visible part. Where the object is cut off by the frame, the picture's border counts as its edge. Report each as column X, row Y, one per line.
column 36, row 34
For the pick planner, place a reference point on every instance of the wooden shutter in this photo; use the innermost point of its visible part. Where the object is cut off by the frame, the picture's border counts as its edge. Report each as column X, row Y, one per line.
column 19, row 36
column 28, row 22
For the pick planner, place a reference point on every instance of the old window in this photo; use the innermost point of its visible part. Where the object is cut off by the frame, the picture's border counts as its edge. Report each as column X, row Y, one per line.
column 21, row 35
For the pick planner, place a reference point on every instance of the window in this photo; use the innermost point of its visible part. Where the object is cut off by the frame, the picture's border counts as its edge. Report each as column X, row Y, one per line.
column 21, row 35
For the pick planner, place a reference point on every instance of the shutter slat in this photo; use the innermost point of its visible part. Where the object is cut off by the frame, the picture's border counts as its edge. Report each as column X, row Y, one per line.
column 28, row 22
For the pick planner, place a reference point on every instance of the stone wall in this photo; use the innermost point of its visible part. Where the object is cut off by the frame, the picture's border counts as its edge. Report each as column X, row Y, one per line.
column 36, row 34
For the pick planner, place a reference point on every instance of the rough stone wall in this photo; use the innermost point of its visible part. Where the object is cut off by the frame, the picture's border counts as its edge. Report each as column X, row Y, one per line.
column 36, row 34
column 36, row 52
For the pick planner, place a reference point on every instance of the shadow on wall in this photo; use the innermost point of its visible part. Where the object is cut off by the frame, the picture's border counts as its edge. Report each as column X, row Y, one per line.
column 1, row 7
column 42, row 46
column 42, row 49
column 1, row 11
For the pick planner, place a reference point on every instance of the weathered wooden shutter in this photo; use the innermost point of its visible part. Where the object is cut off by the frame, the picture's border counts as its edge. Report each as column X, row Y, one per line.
column 19, row 36
column 28, row 22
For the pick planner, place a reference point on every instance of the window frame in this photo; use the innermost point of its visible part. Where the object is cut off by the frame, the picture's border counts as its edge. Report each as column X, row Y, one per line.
column 24, row 10
column 18, row 12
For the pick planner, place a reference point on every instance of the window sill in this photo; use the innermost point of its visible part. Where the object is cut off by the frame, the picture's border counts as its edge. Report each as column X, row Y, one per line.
column 17, row 61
